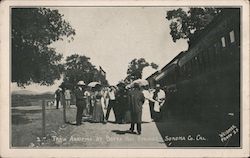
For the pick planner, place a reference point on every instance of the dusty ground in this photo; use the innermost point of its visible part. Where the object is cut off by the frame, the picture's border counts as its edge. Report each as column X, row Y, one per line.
column 26, row 132
column 27, row 123
column 166, row 134
column 109, row 135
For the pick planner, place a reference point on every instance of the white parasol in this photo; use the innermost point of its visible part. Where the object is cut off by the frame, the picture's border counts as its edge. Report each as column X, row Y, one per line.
column 93, row 84
column 141, row 82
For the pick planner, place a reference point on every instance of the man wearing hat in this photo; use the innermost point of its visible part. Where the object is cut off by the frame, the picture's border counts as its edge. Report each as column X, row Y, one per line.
column 122, row 103
column 136, row 100
column 80, row 101
column 58, row 97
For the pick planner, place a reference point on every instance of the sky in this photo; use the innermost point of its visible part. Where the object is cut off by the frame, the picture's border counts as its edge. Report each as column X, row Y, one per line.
column 113, row 36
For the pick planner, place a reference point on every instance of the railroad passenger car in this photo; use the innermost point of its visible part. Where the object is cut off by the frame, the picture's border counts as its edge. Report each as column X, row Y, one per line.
column 206, row 79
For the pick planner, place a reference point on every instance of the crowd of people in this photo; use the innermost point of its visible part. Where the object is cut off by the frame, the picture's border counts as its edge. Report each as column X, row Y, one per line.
column 133, row 104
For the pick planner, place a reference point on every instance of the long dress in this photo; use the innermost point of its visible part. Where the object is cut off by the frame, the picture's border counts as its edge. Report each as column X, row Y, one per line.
column 146, row 115
column 67, row 98
column 98, row 114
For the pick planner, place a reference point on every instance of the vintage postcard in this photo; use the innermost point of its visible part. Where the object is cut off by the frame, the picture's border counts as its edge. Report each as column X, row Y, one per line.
column 124, row 78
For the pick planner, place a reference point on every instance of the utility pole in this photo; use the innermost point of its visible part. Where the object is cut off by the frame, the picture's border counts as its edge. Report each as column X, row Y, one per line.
column 43, row 118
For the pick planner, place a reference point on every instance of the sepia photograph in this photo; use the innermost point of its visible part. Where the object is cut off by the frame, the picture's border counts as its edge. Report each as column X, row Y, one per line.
column 126, row 77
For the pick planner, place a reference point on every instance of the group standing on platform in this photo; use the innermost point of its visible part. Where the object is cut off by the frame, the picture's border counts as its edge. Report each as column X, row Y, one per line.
column 134, row 104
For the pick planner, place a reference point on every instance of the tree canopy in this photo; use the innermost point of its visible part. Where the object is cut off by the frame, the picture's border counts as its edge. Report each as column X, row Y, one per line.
column 186, row 24
column 136, row 67
column 32, row 32
column 77, row 68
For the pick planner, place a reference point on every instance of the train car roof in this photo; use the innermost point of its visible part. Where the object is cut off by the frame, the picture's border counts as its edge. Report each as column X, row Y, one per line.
column 198, row 38
column 224, row 13
column 152, row 75
column 162, row 74
column 173, row 61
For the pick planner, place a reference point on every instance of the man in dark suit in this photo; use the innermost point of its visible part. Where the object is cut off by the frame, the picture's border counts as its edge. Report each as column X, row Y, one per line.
column 122, row 103
column 80, row 101
column 58, row 97
column 136, row 100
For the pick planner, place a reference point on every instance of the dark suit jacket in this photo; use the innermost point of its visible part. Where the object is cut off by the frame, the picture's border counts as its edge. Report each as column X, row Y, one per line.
column 80, row 98
column 136, row 100
column 122, row 100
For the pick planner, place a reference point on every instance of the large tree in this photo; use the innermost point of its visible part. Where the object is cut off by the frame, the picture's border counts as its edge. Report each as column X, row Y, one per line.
column 78, row 67
column 136, row 67
column 33, row 30
column 187, row 24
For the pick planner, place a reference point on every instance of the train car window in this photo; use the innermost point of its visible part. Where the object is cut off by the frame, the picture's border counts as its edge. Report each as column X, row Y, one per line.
column 223, row 42
column 232, row 37
column 228, row 43
column 222, row 52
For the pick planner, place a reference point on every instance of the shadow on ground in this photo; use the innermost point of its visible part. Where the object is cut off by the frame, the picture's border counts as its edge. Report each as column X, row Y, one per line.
column 120, row 132
column 190, row 133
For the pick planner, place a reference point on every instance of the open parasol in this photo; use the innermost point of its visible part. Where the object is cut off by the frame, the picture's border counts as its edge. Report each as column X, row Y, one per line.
column 141, row 82
column 93, row 84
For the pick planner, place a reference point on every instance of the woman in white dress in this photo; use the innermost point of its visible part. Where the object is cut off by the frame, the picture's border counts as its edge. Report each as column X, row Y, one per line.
column 146, row 116
column 67, row 97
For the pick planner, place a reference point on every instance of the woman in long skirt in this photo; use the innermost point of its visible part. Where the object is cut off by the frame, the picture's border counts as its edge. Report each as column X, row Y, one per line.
column 146, row 116
column 98, row 114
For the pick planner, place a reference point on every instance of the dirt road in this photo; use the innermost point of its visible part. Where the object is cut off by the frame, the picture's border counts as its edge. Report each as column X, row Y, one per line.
column 169, row 133
column 173, row 132
column 109, row 135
